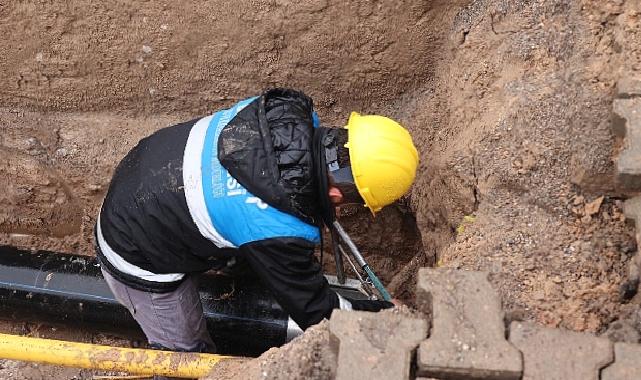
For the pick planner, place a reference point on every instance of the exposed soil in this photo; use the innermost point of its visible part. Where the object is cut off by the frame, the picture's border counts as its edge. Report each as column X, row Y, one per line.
column 522, row 147
column 508, row 101
column 391, row 243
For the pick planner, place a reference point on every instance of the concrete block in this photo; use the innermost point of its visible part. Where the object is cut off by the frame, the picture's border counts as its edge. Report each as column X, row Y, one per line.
column 630, row 286
column 627, row 122
column 632, row 211
column 468, row 332
column 627, row 363
column 556, row 354
column 629, row 88
column 373, row 346
column 623, row 331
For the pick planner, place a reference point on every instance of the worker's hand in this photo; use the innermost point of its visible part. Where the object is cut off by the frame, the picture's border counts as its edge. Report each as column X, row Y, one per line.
column 397, row 303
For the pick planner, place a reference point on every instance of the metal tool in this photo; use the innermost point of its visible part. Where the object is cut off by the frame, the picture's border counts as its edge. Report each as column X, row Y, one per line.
column 353, row 250
column 338, row 258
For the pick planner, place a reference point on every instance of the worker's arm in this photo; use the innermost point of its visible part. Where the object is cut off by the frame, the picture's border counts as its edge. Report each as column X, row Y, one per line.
column 287, row 266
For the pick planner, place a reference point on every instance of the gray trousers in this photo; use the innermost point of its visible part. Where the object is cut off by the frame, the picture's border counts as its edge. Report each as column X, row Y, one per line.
column 173, row 320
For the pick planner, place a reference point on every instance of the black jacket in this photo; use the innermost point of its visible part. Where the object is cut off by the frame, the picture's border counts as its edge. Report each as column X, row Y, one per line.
column 267, row 148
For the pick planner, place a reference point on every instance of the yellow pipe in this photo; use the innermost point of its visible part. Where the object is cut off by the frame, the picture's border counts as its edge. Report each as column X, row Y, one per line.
column 93, row 356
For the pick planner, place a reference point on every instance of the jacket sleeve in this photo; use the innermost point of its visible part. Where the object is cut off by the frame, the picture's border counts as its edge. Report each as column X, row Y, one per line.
column 287, row 266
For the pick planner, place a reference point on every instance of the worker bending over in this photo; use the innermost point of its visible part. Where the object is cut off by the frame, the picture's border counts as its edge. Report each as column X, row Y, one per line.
column 252, row 183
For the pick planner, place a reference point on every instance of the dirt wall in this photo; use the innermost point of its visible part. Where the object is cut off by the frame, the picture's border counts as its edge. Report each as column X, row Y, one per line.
column 518, row 179
column 149, row 57
column 84, row 81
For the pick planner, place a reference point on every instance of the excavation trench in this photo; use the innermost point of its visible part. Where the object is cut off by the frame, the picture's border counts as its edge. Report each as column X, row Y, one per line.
column 59, row 147
column 61, row 138
column 509, row 104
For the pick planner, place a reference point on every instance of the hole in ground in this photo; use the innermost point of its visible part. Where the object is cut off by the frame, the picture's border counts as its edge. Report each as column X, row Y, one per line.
column 391, row 244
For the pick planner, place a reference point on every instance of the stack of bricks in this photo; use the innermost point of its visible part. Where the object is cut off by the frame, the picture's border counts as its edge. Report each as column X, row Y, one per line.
column 469, row 340
column 626, row 125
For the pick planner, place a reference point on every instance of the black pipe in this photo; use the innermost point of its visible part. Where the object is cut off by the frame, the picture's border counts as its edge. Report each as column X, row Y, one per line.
column 242, row 316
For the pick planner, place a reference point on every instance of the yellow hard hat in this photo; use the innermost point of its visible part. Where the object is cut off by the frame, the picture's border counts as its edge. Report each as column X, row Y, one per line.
column 383, row 159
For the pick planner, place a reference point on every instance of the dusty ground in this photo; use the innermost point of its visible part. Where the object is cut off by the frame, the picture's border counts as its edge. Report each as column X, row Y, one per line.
column 521, row 145
column 508, row 101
